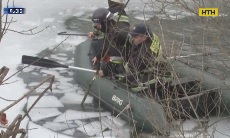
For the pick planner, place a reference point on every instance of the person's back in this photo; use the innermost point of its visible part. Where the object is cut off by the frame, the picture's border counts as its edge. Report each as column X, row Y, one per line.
column 117, row 9
column 146, row 49
column 114, row 27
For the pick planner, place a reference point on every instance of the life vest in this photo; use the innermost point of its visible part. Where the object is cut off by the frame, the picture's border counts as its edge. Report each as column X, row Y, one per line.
column 156, row 48
column 122, row 18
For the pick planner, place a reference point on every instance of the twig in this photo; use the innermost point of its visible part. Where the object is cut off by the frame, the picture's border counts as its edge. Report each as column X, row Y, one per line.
column 122, row 9
column 30, row 30
column 7, row 99
column 13, row 129
column 126, row 108
column 36, row 61
column 191, row 96
column 3, row 71
column 48, row 88
column 27, row 94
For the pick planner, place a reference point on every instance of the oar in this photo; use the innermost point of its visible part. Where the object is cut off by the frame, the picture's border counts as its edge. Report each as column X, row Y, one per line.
column 65, row 33
column 36, row 61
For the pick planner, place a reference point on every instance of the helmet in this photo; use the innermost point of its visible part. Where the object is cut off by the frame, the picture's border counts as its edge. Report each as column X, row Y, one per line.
column 101, row 14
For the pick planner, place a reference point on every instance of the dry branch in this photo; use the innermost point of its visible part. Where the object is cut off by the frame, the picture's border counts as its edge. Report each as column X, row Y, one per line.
column 13, row 129
column 3, row 72
column 28, row 93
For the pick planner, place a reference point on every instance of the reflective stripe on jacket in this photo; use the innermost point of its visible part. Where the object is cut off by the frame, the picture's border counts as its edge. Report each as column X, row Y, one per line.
column 156, row 47
column 122, row 18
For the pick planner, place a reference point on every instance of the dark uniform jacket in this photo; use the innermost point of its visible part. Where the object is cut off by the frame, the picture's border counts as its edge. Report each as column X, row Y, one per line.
column 115, row 33
column 145, row 56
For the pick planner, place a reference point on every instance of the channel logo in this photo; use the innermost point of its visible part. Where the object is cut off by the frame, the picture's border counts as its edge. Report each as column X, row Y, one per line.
column 208, row 12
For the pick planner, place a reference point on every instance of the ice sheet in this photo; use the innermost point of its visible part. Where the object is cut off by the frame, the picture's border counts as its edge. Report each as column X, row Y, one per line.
column 65, row 86
column 62, row 54
column 107, row 122
column 73, row 115
column 117, row 120
column 108, row 133
column 79, row 122
column 45, row 101
column 65, row 79
column 70, row 73
column 73, row 98
column 59, row 57
column 69, row 131
column 116, row 134
column 41, row 88
column 48, row 20
column 32, row 84
column 28, row 69
column 50, row 72
column 189, row 125
column 35, row 73
column 43, row 113
column 92, row 128
column 58, row 126
column 119, row 133
column 36, row 131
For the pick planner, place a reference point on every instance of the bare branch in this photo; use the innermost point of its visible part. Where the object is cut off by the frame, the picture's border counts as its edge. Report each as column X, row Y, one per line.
column 27, row 94
column 28, row 32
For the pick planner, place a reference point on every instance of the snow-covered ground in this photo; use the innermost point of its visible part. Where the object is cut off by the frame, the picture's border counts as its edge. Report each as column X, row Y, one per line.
column 68, row 122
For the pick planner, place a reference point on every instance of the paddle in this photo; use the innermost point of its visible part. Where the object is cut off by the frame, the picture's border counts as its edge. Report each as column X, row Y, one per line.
column 36, row 61
column 65, row 33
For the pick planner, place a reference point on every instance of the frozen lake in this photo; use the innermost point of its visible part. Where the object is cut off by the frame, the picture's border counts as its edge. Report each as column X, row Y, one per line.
column 58, row 113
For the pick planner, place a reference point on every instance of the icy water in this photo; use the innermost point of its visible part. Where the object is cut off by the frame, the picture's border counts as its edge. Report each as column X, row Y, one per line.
column 60, row 110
